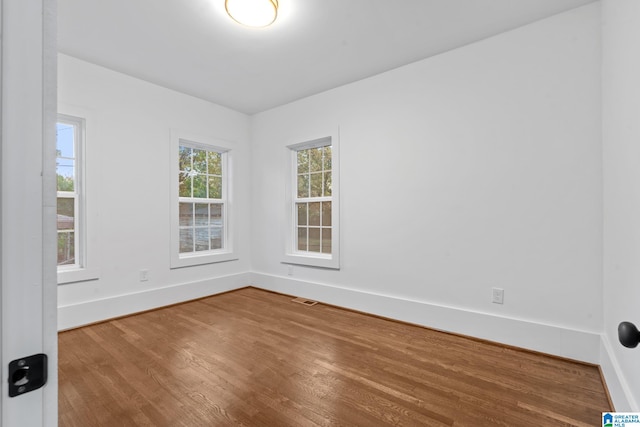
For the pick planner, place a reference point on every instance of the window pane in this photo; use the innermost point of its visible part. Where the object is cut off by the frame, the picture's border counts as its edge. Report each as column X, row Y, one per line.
column 65, row 169
column 314, row 213
column 202, row 239
column 200, row 161
column 64, row 140
column 66, row 248
column 186, row 214
column 185, row 184
column 302, row 213
column 66, row 213
column 215, row 187
column 216, row 237
column 184, row 159
column 303, row 185
column 216, row 213
column 302, row 238
column 65, row 183
column 214, row 160
column 327, row 158
column 303, row 161
column 315, row 159
column 326, row 240
column 316, row 184
column 186, row 240
column 326, row 214
column 314, row 240
column 200, row 186
column 202, row 214
column 327, row 184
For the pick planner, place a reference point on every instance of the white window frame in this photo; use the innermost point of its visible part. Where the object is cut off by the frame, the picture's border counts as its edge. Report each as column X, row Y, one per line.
column 86, row 266
column 227, row 253
column 291, row 254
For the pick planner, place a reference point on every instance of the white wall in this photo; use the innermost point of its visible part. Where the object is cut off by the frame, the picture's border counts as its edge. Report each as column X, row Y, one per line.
column 621, row 134
column 476, row 168
column 129, row 124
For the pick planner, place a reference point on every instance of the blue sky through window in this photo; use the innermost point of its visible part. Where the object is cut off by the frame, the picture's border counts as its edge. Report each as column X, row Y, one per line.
column 65, row 150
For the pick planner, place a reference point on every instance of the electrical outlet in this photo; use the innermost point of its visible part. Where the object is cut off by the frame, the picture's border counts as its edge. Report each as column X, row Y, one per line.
column 290, row 270
column 144, row 275
column 497, row 296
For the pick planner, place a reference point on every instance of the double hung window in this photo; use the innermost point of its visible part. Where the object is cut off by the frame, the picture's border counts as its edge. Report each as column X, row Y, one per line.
column 201, row 230
column 77, row 213
column 70, row 212
column 313, row 200
column 201, row 203
column 313, row 190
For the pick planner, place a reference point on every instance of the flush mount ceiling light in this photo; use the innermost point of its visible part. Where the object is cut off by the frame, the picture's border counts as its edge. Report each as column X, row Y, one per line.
column 252, row 13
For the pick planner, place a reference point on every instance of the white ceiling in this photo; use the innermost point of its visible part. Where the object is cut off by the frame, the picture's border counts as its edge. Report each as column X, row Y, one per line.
column 193, row 47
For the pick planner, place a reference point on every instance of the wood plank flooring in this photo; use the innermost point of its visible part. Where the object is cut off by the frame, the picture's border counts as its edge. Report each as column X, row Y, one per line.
column 255, row 358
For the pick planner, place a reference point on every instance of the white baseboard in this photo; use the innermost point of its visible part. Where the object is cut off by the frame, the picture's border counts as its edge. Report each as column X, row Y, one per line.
column 75, row 315
column 616, row 384
column 556, row 340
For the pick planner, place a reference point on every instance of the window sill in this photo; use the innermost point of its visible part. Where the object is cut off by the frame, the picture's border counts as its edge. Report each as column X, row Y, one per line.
column 202, row 259
column 71, row 275
column 316, row 260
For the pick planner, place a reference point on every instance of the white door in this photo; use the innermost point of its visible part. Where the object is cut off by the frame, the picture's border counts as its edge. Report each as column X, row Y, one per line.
column 27, row 202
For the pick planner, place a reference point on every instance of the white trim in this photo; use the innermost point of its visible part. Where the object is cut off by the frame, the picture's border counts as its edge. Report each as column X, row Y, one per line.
column 27, row 198
column 290, row 254
column 50, row 291
column 178, row 260
column 551, row 339
column 76, row 315
column 616, row 383
column 313, row 143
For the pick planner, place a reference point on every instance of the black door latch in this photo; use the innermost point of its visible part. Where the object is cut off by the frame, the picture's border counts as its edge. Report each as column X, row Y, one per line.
column 27, row 374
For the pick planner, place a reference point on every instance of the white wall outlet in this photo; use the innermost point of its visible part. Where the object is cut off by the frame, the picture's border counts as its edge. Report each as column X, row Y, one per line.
column 144, row 275
column 497, row 296
column 290, row 270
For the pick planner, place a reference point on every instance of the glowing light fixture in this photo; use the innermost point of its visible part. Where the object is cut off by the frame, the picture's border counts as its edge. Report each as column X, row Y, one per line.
column 252, row 13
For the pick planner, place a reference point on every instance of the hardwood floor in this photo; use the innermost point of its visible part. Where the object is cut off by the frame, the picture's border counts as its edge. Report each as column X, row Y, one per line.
column 255, row 358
